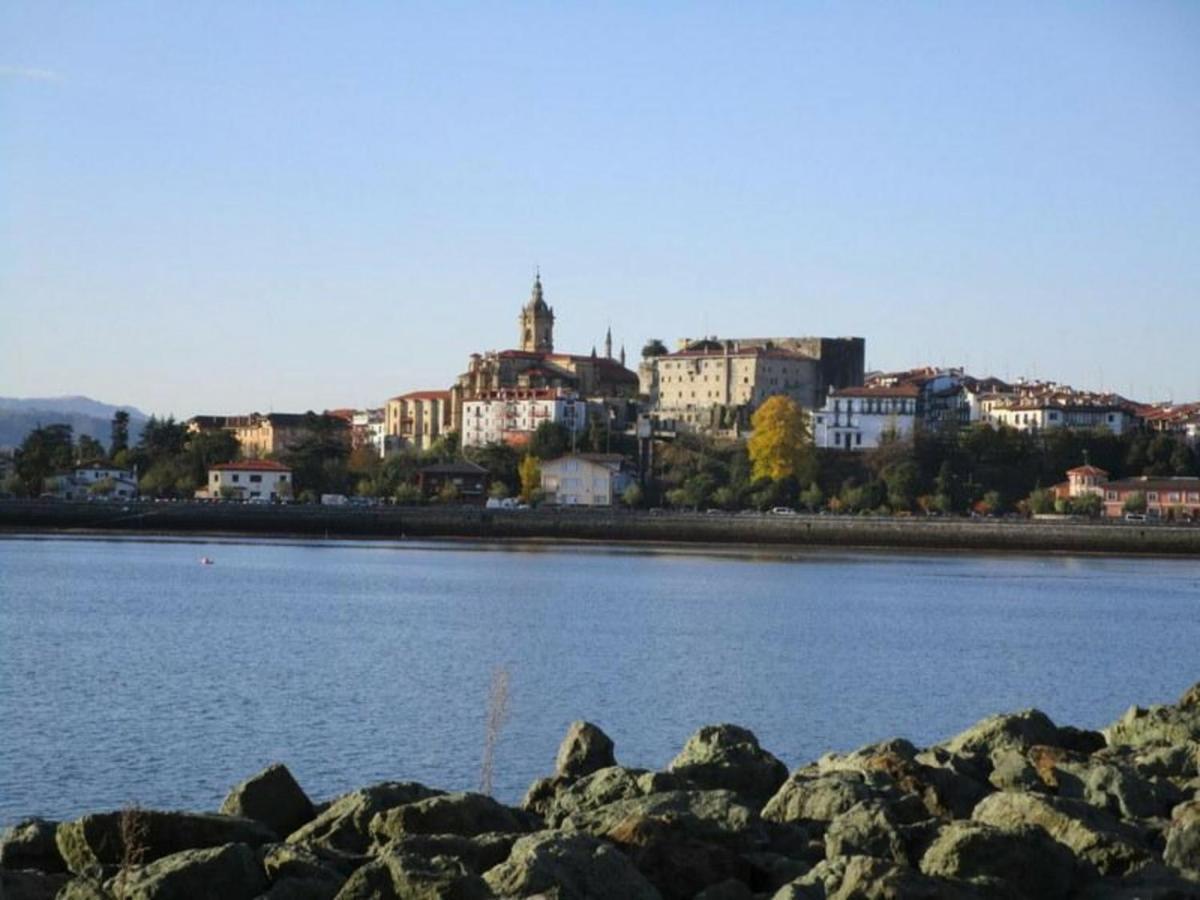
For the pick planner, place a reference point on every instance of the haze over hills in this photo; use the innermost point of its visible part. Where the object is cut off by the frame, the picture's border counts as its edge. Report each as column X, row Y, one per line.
column 20, row 415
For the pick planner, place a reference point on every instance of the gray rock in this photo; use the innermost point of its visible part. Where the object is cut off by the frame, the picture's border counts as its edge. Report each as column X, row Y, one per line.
column 83, row 889
column 346, row 824
column 543, row 793
column 1012, row 771
column 730, row 889
column 1151, row 882
column 272, row 797
column 1158, row 725
column 477, row 853
column 93, row 842
column 27, row 884
column 463, row 814
column 231, row 872
column 727, row 757
column 868, row 878
column 584, row 750
column 1024, row 858
column 1179, row 761
column 866, row 829
column 719, row 817
column 569, row 867
column 605, row 786
column 295, row 870
column 1183, row 838
column 817, row 797
column 398, row 876
column 30, row 845
column 1011, row 731
column 1108, row 846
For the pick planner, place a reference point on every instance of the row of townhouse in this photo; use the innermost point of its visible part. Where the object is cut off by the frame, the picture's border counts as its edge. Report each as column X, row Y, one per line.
column 1166, row 498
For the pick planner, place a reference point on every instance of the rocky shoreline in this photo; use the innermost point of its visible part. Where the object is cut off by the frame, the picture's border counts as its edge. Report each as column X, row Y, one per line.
column 1014, row 807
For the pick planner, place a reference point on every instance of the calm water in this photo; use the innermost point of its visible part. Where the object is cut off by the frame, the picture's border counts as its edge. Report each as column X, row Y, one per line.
column 130, row 673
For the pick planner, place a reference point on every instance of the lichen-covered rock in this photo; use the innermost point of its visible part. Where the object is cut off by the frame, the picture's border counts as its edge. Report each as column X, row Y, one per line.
column 728, row 757
column 28, row 884
column 1108, row 846
column 93, row 842
column 585, row 749
column 1183, row 838
column 1179, row 761
column 30, row 844
column 818, row 797
column 477, row 853
column 400, row 876
column 464, row 814
column 539, row 798
column 231, row 872
column 272, row 797
column 1158, row 725
column 1024, row 858
column 676, row 862
column 82, row 889
column 1009, row 731
column 569, row 867
column 866, row 829
column 608, row 785
column 346, row 824
column 297, row 871
column 869, row 878
column 719, row 817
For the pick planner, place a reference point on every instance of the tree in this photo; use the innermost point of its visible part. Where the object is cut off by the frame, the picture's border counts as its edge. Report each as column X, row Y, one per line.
column 88, row 449
column 531, row 476
column 901, row 479
column 779, row 445
column 45, row 450
column 407, row 494
column 550, row 440
column 654, row 347
column 449, row 493
column 1135, row 503
column 1089, row 505
column 813, row 498
column 633, row 496
column 1041, row 501
column 499, row 459
column 119, row 439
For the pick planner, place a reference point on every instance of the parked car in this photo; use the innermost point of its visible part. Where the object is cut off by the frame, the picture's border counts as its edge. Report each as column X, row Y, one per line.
column 782, row 511
column 1135, row 517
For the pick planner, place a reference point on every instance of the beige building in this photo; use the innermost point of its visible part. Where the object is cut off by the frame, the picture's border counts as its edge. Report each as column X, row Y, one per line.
column 418, row 419
column 585, row 479
column 260, row 435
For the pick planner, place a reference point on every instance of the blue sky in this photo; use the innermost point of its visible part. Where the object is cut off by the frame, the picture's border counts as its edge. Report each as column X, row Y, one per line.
column 225, row 207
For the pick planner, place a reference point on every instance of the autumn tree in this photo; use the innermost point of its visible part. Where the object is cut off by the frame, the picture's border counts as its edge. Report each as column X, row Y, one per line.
column 779, row 447
column 531, row 477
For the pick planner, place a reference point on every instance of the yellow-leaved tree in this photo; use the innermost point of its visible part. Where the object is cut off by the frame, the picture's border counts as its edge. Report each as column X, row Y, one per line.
column 531, row 477
column 780, row 443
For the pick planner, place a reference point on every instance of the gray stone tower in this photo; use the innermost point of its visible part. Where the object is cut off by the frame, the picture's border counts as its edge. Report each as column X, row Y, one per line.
column 537, row 322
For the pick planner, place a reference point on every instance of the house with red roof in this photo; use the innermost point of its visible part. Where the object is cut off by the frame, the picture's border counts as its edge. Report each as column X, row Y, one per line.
column 253, row 480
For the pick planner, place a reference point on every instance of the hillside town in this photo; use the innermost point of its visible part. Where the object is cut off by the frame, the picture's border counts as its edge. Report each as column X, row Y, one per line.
column 536, row 424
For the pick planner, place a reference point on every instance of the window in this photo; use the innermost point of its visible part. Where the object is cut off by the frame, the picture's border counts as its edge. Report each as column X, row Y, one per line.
column 255, row 479
column 216, row 477
column 858, row 439
column 235, row 478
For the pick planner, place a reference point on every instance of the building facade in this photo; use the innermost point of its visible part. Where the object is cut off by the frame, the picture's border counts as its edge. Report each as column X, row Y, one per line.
column 512, row 416
column 469, row 481
column 260, row 435
column 260, row 480
column 585, row 479
column 861, row 418
column 1165, row 498
column 418, row 419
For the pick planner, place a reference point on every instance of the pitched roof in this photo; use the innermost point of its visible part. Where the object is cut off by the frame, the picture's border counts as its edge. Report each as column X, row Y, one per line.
column 424, row 395
column 899, row 390
column 1086, row 470
column 251, row 465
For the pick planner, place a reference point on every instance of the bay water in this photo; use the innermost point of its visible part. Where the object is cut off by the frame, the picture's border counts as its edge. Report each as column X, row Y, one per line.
column 130, row 672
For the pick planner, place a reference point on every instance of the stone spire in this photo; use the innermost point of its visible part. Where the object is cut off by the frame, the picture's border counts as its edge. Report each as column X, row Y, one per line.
column 622, row 356
column 536, row 321
column 608, row 343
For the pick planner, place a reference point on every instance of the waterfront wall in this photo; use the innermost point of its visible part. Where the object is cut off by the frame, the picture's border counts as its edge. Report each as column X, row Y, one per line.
column 601, row 525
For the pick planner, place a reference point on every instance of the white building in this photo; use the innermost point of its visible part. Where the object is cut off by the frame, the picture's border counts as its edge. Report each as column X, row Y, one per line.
column 96, row 480
column 251, row 479
column 585, row 479
column 1040, row 413
column 858, row 418
column 368, row 428
column 512, row 416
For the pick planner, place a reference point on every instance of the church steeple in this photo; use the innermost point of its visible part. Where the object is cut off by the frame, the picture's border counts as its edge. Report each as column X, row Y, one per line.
column 608, row 343
column 537, row 321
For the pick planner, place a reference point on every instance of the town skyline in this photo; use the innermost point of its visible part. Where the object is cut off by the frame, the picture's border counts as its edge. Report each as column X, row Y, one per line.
column 270, row 211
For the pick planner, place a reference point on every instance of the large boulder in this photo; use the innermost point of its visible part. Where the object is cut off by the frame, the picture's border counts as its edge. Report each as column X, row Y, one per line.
column 477, row 853
column 1158, row 725
column 30, row 844
column 1009, row 731
column 29, row 884
column 868, row 878
column 719, row 817
column 866, row 829
column 807, row 796
column 605, row 786
column 463, row 814
column 1106, row 845
column 569, row 867
column 584, row 750
column 1183, row 838
column 728, row 757
column 346, row 824
column 399, row 876
column 296, row 871
column 676, row 862
column 1024, row 858
column 272, row 797
column 136, row 836
column 231, row 872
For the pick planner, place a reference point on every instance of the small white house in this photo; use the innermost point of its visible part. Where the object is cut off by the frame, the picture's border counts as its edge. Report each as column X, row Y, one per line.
column 251, row 479
column 93, row 481
column 585, row 479
column 857, row 418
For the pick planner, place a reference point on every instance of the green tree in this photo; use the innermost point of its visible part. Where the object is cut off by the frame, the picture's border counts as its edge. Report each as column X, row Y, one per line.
column 813, row 498
column 1041, row 501
column 1135, row 503
column 89, row 450
column 633, row 496
column 319, row 458
column 654, row 347
column 1089, row 505
column 407, row 494
column 779, row 446
column 449, row 493
column 902, row 479
column 119, row 434
column 550, row 440
column 46, row 450
column 499, row 459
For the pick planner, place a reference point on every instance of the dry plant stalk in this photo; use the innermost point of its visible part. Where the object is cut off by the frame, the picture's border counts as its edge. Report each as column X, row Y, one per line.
column 134, row 830
column 497, row 715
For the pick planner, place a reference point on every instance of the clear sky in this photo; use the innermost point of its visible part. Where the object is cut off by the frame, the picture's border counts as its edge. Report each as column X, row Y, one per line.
column 230, row 206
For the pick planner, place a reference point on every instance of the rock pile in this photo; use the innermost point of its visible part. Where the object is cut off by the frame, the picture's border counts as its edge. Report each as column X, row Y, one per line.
column 1015, row 807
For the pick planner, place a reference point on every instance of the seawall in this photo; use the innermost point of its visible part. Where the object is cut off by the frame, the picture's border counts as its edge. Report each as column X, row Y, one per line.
column 605, row 525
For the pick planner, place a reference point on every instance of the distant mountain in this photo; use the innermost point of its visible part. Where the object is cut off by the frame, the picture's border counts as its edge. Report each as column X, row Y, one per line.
column 19, row 416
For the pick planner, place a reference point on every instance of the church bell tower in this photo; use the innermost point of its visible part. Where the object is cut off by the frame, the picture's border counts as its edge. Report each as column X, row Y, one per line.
column 537, row 322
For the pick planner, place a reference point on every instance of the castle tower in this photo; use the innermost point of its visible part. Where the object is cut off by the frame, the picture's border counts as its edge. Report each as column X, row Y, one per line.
column 537, row 322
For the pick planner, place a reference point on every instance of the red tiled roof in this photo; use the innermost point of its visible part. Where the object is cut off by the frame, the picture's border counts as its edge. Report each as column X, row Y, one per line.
column 251, row 465
column 1086, row 470
column 424, row 395
column 899, row 390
